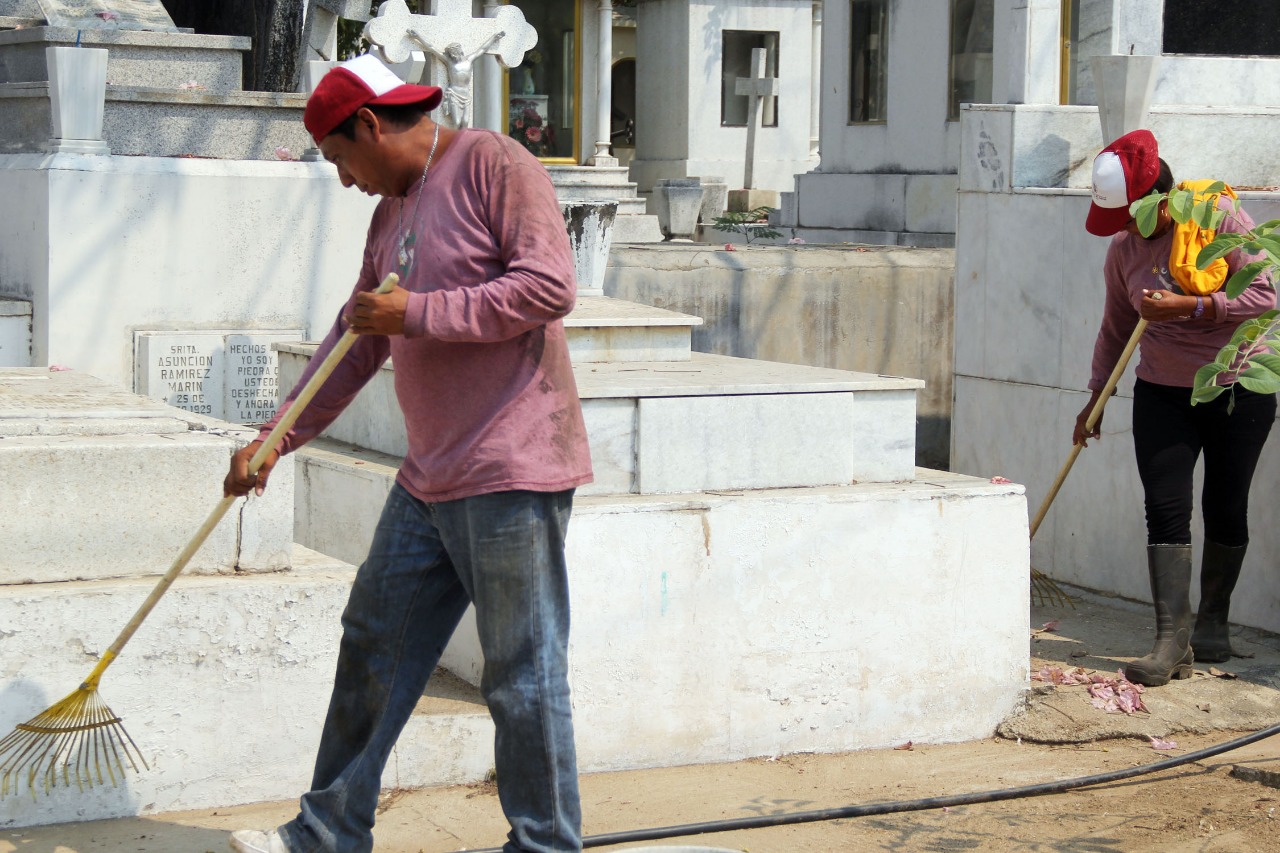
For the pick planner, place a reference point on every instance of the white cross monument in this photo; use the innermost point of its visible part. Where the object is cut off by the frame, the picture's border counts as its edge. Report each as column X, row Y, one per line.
column 757, row 87
column 456, row 39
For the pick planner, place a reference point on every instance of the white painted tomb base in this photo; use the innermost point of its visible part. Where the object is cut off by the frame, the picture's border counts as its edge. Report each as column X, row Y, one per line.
column 715, row 626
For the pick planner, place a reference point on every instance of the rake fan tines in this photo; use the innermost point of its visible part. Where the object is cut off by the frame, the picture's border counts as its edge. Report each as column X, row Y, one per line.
column 77, row 741
column 1045, row 591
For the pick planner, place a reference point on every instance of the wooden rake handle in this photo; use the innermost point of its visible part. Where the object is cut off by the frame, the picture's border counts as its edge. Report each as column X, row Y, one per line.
column 1112, row 381
column 271, row 442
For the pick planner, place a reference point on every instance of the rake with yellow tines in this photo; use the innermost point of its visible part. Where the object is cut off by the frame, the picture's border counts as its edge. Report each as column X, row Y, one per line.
column 80, row 740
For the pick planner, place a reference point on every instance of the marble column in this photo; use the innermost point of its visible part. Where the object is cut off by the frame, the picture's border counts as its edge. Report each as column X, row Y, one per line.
column 490, row 114
column 604, row 87
column 1035, row 49
column 815, row 80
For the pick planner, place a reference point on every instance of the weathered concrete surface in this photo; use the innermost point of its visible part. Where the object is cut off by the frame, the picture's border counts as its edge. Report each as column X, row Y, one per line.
column 1101, row 635
column 226, row 673
column 872, row 309
column 101, row 483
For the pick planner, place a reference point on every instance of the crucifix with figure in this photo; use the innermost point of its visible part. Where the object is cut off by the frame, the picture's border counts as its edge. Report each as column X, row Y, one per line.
column 456, row 39
column 757, row 87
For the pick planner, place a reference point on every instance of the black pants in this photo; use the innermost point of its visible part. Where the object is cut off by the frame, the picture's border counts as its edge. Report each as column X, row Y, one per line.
column 1168, row 436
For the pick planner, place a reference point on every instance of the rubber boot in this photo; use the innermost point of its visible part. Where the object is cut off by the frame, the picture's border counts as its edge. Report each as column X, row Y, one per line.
column 1219, row 571
column 1170, row 569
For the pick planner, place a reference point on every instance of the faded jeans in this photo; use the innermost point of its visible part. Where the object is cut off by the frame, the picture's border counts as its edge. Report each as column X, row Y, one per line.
column 505, row 552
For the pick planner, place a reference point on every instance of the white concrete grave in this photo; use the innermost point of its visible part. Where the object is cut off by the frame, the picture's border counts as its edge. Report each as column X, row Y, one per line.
column 735, row 505
column 101, row 483
column 456, row 39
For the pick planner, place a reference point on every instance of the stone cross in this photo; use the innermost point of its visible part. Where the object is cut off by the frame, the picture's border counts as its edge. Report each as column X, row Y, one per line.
column 107, row 14
column 321, row 29
column 755, row 87
column 456, row 39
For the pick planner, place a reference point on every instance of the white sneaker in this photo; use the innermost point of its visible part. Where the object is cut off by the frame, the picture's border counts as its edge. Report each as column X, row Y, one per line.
column 253, row 841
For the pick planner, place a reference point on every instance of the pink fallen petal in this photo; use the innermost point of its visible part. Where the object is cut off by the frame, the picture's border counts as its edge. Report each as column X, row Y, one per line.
column 1051, row 625
column 1161, row 743
column 906, row 745
column 1001, row 481
column 728, row 247
column 108, row 15
column 796, row 241
column 1077, row 676
column 55, row 368
column 283, row 153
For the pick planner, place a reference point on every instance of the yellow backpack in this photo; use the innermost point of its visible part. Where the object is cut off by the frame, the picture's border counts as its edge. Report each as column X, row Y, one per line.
column 1188, row 239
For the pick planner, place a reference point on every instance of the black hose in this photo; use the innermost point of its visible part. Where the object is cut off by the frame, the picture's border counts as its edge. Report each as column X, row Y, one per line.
column 839, row 813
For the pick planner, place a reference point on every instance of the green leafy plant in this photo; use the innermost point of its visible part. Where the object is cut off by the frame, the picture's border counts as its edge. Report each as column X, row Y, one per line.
column 752, row 224
column 1248, row 358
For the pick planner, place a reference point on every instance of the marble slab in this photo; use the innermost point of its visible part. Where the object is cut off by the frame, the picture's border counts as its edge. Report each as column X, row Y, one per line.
column 37, row 401
column 712, row 422
column 101, row 14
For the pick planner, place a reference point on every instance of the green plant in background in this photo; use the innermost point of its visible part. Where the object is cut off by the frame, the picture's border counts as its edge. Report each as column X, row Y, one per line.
column 751, row 224
column 1249, row 357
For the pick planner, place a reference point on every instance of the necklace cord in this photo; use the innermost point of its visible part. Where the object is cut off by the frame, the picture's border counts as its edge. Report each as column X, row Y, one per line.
column 403, row 256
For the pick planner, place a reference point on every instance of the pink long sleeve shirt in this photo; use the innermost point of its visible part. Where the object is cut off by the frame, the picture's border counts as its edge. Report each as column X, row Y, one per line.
column 1171, row 352
column 482, row 371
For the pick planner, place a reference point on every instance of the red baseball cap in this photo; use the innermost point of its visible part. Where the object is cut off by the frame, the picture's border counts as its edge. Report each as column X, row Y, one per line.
column 1124, row 172
column 357, row 83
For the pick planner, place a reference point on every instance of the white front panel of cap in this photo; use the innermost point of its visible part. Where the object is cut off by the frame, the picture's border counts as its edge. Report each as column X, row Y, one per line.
column 379, row 78
column 1109, row 186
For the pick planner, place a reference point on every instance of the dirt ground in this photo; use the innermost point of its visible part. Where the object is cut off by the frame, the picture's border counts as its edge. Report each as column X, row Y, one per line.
column 1198, row 807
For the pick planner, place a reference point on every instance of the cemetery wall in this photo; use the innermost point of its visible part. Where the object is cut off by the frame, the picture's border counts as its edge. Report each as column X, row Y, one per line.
column 873, row 310
column 1028, row 303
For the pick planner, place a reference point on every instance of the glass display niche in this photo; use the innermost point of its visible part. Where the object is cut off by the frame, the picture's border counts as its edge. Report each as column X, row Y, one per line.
column 542, row 91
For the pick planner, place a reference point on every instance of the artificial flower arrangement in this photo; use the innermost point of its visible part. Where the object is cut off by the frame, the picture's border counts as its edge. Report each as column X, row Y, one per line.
column 533, row 133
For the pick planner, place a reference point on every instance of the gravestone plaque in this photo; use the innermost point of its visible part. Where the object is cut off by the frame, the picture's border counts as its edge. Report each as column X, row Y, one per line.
column 232, row 375
column 108, row 14
column 252, row 368
column 182, row 369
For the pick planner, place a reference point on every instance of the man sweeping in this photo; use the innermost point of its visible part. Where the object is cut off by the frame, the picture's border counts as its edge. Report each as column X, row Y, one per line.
column 479, row 510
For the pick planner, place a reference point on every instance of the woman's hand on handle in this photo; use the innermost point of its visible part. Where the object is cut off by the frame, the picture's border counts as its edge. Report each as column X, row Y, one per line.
column 1080, row 436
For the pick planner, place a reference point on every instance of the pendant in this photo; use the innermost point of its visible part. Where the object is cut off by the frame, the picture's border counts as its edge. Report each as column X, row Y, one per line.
column 404, row 258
